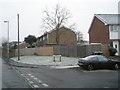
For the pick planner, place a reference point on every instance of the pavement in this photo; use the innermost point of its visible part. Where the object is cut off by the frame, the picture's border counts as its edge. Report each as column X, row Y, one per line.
column 11, row 78
column 38, row 61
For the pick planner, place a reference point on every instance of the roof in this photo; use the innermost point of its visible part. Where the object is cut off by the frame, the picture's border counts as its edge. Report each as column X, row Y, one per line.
column 63, row 27
column 109, row 18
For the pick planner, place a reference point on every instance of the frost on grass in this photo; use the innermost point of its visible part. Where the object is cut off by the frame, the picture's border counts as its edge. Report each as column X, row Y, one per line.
column 47, row 60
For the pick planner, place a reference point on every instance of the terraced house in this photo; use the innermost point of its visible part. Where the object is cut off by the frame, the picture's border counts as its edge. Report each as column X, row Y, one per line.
column 105, row 29
column 65, row 35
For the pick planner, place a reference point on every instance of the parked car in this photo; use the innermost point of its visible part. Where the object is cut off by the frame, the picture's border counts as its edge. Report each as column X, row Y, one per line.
column 98, row 61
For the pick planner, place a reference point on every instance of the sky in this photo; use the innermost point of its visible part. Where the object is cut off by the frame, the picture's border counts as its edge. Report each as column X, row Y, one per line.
column 31, row 14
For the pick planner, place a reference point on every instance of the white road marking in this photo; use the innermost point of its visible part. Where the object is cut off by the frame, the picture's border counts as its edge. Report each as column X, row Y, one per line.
column 32, row 76
column 39, row 81
column 35, row 78
column 31, row 82
column 28, row 79
column 29, row 74
column 35, row 86
column 45, row 85
column 22, row 74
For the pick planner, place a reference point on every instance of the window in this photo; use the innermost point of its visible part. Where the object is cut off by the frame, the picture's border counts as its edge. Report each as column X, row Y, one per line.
column 90, row 58
column 114, row 28
column 115, row 45
column 94, row 58
column 101, row 58
column 40, row 39
column 43, row 37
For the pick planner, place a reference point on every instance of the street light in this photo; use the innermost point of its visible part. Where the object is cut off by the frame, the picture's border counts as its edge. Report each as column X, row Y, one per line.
column 8, row 37
column 18, row 39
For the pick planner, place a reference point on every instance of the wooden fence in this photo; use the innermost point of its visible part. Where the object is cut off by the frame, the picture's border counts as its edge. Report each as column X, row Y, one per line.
column 70, row 51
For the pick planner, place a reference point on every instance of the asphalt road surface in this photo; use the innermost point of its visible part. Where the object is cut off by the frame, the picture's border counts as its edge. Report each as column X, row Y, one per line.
column 10, row 78
column 0, row 73
column 50, row 77
column 46, row 77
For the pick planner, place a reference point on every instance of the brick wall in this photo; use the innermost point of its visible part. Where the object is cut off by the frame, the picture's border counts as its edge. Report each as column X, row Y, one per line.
column 105, row 49
column 67, row 37
column 99, row 32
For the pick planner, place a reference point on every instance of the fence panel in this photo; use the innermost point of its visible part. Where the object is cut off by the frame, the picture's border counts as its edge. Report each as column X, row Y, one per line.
column 72, row 51
column 64, row 51
column 47, row 51
column 56, row 50
column 81, row 51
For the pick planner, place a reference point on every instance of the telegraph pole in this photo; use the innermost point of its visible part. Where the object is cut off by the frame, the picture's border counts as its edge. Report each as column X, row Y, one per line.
column 18, row 39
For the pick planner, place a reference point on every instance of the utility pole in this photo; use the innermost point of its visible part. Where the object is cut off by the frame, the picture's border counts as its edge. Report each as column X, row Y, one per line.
column 18, row 39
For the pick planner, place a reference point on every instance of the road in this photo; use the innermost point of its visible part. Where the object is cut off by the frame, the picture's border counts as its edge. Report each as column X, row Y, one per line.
column 0, row 73
column 46, row 77
column 50, row 77
column 10, row 78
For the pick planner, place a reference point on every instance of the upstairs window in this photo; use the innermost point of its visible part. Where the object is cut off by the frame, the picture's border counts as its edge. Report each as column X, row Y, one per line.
column 114, row 28
column 41, row 39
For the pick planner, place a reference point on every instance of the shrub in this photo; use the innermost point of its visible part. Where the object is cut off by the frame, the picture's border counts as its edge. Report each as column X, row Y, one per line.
column 112, row 51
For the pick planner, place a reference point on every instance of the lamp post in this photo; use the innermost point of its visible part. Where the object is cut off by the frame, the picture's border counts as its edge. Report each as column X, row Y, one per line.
column 7, row 37
column 18, row 39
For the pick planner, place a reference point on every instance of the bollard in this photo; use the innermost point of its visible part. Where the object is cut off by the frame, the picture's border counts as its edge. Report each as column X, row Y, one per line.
column 60, row 58
column 53, row 58
column 57, row 57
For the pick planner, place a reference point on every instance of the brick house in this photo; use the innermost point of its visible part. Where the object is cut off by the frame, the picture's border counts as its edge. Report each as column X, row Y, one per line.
column 23, row 45
column 67, row 37
column 105, row 29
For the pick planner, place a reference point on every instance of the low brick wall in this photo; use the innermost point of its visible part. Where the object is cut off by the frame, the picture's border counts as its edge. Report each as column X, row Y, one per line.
column 105, row 50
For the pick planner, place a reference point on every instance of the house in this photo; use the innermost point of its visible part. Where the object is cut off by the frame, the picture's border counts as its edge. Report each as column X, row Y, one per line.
column 14, row 45
column 83, row 42
column 23, row 45
column 105, row 29
column 66, row 37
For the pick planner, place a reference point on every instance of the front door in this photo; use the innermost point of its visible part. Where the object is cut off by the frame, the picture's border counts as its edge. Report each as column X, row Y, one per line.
column 116, row 46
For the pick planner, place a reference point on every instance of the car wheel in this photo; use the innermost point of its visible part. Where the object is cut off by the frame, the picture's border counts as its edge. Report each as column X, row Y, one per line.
column 90, row 67
column 116, row 66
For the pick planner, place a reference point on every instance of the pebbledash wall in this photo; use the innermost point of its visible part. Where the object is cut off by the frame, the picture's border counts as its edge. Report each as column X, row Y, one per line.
column 69, row 51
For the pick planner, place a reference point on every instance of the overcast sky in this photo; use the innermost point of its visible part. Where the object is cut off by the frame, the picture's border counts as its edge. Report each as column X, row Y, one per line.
column 31, row 12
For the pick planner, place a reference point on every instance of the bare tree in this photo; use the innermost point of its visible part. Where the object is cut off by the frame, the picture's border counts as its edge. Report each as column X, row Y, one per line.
column 4, row 42
column 79, row 37
column 55, row 19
